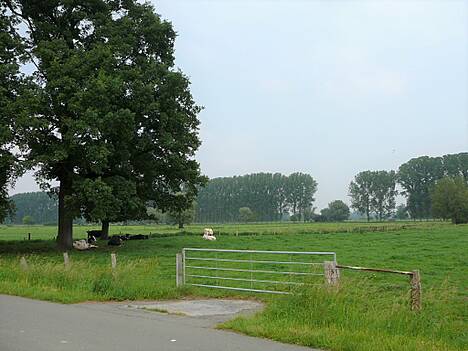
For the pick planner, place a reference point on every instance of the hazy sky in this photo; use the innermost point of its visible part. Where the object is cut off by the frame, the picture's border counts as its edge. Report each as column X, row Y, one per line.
column 329, row 88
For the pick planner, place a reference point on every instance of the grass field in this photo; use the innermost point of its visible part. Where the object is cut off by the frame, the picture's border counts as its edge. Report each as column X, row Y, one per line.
column 367, row 312
column 40, row 232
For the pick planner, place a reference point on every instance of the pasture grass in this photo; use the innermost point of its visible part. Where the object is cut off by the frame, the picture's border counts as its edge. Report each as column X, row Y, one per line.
column 360, row 316
column 369, row 311
column 41, row 232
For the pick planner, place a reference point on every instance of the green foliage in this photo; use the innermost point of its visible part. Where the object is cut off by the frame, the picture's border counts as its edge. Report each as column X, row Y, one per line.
column 456, row 165
column 268, row 195
column 295, row 218
column 134, row 143
column 450, row 199
column 41, row 206
column 246, row 215
column 28, row 220
column 181, row 216
column 383, row 193
column 417, row 177
column 6, row 169
column 401, row 212
column 155, row 215
column 360, row 190
column 336, row 211
column 10, row 82
column 374, row 192
column 308, row 214
column 300, row 190
column 112, row 198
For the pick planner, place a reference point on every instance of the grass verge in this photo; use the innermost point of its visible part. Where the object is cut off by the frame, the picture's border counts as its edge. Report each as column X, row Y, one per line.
column 359, row 316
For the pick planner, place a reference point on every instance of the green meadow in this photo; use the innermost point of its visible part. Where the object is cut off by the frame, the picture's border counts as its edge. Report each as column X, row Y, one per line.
column 41, row 232
column 368, row 311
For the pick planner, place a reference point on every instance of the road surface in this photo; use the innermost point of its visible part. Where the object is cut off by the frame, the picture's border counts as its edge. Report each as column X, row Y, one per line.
column 31, row 325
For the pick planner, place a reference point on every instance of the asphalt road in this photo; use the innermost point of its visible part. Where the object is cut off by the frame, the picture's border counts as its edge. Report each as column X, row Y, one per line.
column 30, row 325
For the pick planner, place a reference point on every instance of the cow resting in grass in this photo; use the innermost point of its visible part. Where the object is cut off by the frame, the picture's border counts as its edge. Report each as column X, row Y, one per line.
column 82, row 245
column 208, row 234
column 95, row 233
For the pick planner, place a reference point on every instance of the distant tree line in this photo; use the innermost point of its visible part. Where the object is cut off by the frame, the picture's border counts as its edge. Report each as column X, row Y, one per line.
column 36, row 207
column 422, row 180
column 434, row 187
column 259, row 197
column 419, row 176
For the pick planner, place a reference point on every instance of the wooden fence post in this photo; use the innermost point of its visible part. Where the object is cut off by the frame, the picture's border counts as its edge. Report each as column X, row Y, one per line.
column 23, row 264
column 66, row 259
column 113, row 261
column 416, row 291
column 332, row 273
column 179, row 270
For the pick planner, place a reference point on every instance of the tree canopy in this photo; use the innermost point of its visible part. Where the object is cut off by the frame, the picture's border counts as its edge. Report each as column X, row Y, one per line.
column 401, row 212
column 246, row 214
column 373, row 192
column 269, row 196
column 39, row 205
column 450, row 199
column 336, row 211
column 11, row 56
column 419, row 175
column 106, row 113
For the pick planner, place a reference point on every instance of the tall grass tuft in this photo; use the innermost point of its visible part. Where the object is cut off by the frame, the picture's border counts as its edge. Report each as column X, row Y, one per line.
column 86, row 280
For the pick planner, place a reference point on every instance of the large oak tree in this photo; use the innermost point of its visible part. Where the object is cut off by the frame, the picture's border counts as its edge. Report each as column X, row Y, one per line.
column 109, row 117
column 10, row 86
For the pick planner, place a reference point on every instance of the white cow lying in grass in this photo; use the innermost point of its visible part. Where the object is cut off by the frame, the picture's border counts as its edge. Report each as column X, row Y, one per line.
column 208, row 234
column 82, row 245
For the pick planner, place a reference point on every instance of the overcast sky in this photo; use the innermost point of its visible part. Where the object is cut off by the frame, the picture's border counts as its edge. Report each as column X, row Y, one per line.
column 329, row 88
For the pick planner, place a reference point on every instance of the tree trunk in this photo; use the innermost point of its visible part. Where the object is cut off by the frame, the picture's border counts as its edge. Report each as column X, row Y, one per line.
column 181, row 225
column 105, row 230
column 65, row 220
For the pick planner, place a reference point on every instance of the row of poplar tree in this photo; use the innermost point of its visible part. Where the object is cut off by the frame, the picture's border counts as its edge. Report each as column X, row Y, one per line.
column 272, row 196
column 373, row 193
column 268, row 195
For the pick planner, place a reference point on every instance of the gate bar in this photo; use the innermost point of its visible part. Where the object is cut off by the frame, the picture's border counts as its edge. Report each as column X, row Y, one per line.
column 251, row 270
column 265, row 252
column 241, row 289
column 253, row 261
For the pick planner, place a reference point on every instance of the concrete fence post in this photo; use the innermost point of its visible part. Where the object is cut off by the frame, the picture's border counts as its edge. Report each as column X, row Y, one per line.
column 113, row 261
column 23, row 264
column 332, row 273
column 179, row 270
column 415, row 291
column 66, row 259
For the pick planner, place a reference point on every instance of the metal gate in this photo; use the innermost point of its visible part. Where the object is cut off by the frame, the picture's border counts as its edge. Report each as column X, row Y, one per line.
column 273, row 272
